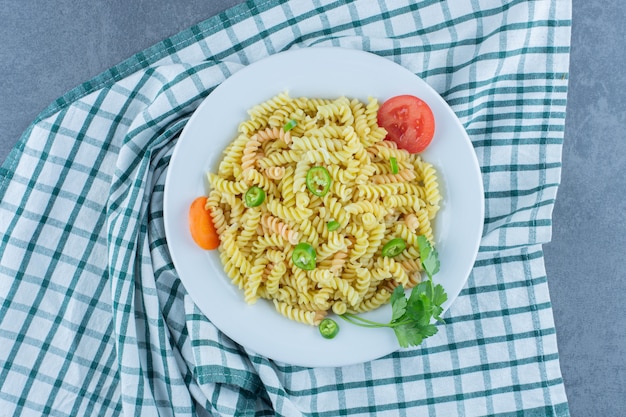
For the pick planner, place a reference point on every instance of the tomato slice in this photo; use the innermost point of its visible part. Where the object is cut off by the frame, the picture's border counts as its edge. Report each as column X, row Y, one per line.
column 409, row 122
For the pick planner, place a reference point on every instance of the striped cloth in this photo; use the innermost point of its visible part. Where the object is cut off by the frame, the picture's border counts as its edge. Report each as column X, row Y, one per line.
column 93, row 318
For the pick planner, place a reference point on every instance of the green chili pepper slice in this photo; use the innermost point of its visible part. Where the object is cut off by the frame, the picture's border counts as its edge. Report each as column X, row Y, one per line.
column 254, row 196
column 318, row 181
column 394, row 165
column 329, row 328
column 394, row 247
column 290, row 125
column 304, row 256
column 332, row 225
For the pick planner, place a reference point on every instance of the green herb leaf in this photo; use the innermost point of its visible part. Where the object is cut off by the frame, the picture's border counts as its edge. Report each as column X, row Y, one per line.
column 412, row 317
column 409, row 334
column 415, row 304
column 439, row 295
column 429, row 330
column 429, row 256
column 398, row 303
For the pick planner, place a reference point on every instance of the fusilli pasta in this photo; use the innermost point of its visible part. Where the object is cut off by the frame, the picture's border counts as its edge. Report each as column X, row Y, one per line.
column 367, row 202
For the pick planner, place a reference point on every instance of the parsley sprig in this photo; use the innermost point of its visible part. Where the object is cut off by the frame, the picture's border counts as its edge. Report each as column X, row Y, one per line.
column 411, row 318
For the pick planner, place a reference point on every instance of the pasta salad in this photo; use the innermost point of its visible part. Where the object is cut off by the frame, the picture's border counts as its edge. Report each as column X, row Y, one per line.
column 317, row 212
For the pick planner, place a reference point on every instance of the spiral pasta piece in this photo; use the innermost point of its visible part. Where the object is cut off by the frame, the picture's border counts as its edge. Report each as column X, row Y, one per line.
column 339, row 260
column 280, row 158
column 249, row 156
column 308, row 143
column 402, row 176
column 377, row 299
column 295, row 313
column 431, row 188
column 308, row 232
column 338, row 110
column 364, row 206
column 272, row 133
column 275, row 173
column 276, row 226
column 273, row 280
column 253, row 281
column 375, row 192
column 250, row 220
column 266, row 108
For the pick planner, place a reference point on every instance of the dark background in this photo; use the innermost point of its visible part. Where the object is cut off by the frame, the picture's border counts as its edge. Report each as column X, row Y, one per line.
column 47, row 48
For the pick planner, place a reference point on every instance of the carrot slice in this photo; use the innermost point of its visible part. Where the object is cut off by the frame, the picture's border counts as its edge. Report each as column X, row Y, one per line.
column 201, row 225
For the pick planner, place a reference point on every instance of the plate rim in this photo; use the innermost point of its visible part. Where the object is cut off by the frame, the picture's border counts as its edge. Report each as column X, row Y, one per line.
column 233, row 79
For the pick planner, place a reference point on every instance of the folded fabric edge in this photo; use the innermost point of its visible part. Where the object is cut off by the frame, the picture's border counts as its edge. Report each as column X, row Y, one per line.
column 206, row 371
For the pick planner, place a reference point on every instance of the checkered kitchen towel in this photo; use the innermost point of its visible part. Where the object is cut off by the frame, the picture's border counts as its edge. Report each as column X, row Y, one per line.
column 93, row 318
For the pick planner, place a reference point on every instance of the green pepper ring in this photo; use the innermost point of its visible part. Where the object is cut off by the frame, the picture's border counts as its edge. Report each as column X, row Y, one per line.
column 254, row 196
column 304, row 256
column 329, row 328
column 290, row 125
column 333, row 225
column 394, row 247
column 318, row 181
column 395, row 169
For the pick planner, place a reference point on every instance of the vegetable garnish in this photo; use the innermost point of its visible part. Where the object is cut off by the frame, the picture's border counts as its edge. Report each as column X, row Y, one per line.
column 333, row 225
column 429, row 257
column 304, row 256
column 393, row 161
column 290, row 125
column 394, row 247
column 409, row 122
column 254, row 196
column 318, row 181
column 329, row 328
column 411, row 318
column 201, row 225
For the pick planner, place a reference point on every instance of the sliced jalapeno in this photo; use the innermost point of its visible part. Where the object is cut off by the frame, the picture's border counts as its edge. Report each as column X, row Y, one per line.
column 332, row 225
column 318, row 181
column 254, row 196
column 394, row 247
column 394, row 165
column 304, row 256
column 290, row 125
column 329, row 328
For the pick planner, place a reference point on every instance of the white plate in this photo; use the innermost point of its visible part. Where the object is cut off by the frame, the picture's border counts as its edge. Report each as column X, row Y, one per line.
column 314, row 72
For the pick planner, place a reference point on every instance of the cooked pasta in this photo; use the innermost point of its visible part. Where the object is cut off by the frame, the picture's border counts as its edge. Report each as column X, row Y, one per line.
column 366, row 203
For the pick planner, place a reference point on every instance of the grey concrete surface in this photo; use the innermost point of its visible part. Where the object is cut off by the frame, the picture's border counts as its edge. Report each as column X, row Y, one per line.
column 47, row 48
column 585, row 260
